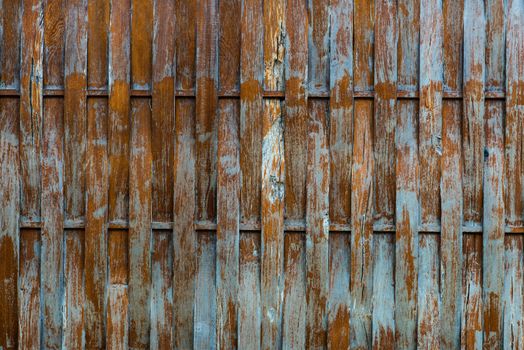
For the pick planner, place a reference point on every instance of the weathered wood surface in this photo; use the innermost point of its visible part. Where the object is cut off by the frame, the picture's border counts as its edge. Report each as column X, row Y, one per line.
column 261, row 174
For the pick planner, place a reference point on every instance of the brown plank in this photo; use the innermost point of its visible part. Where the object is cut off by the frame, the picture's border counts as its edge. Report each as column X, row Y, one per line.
column 471, row 328
column 119, row 109
column 295, row 301
column 162, row 291
column 453, row 32
column 410, row 16
column 117, row 318
column 317, row 225
column 51, row 257
column 10, row 44
column 493, row 226
column 228, row 223
column 362, row 206
column 140, row 206
column 31, row 107
column 383, row 324
column 514, row 293
column 185, row 41
column 118, row 248
column 249, row 291
column 54, row 22
column 9, row 222
column 73, row 317
column 495, row 45
column 75, row 119
column 229, row 46
column 97, row 45
column 97, row 185
column 407, row 220
column 184, row 236
column 364, row 37
column 29, row 295
column 163, row 113
column 141, row 43
column 318, row 42
column 451, row 225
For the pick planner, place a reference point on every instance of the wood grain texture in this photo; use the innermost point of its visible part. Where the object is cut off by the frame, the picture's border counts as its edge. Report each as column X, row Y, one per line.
column 117, row 318
column 142, row 42
column 514, row 293
column 73, row 314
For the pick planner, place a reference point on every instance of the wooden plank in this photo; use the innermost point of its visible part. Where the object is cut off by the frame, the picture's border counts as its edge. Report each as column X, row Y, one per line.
column 75, row 119
column 362, row 194
column 29, row 294
column 428, row 331
column 514, row 157
column 119, row 109
column 495, row 45
column 407, row 218
column 471, row 328
column 205, row 330
column 31, row 107
column 185, row 41
column 383, row 324
column 296, row 108
column 51, row 257
column 118, row 247
column 97, row 45
column 249, row 292
column 73, row 317
column 338, row 303
column 317, row 225
column 410, row 15
column 54, row 34
column 493, row 226
column 364, row 37
column 163, row 109
column 184, row 235
column 228, row 224
column 10, row 44
column 514, row 293
column 318, row 42
column 162, row 292
column 9, row 218
column 451, row 226
column 453, row 30
column 140, row 206
column 273, row 177
column 141, row 43
column 229, row 46
column 385, row 109
column 95, row 239
column 117, row 318
column 295, row 299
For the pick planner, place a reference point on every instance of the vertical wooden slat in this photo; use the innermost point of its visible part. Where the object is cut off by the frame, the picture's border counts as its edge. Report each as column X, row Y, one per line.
column 453, row 33
column 51, row 257
column 162, row 292
column 451, row 226
column 407, row 220
column 118, row 258
column 141, row 43
column 364, row 36
column 383, row 325
column 54, row 32
column 97, row 44
column 185, row 20
column 362, row 221
column 318, row 42
column 10, row 44
column 184, row 236
column 29, row 295
column 163, row 109
column 471, row 327
column 73, row 317
column 410, row 44
column 117, row 318
column 95, row 241
column 495, row 44
column 273, row 177
column 249, row 292
column 9, row 226
column 493, row 226
column 229, row 46
column 294, row 308
column 228, row 222
column 514, row 293
column 119, row 103
column 140, row 173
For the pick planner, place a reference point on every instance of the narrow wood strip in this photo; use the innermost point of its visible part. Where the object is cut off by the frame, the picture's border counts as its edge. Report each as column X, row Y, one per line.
column 228, row 223
column 364, row 44
column 453, row 32
column 249, row 292
column 362, row 194
column 51, row 257
column 75, row 118
column 471, row 327
column 295, row 286
column 407, row 217
column 29, row 294
column 493, row 227
column 205, row 296
column 383, row 323
column 185, row 42
column 73, row 337
column 495, row 44
column 54, row 34
column 117, row 318
column 162, row 292
column 514, row 293
column 10, row 44
column 409, row 51
column 118, row 250
column 451, row 230
column 229, row 46
column 9, row 222
column 31, row 107
column 318, row 42
column 163, row 113
column 140, row 206
column 184, row 235
column 142, row 43
column 339, row 297
column 119, row 103
column 97, row 45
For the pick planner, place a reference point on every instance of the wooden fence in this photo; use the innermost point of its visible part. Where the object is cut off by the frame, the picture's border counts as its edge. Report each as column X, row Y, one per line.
column 261, row 174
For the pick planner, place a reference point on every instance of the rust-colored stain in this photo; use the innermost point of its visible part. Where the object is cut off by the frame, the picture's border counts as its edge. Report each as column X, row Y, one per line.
column 261, row 174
